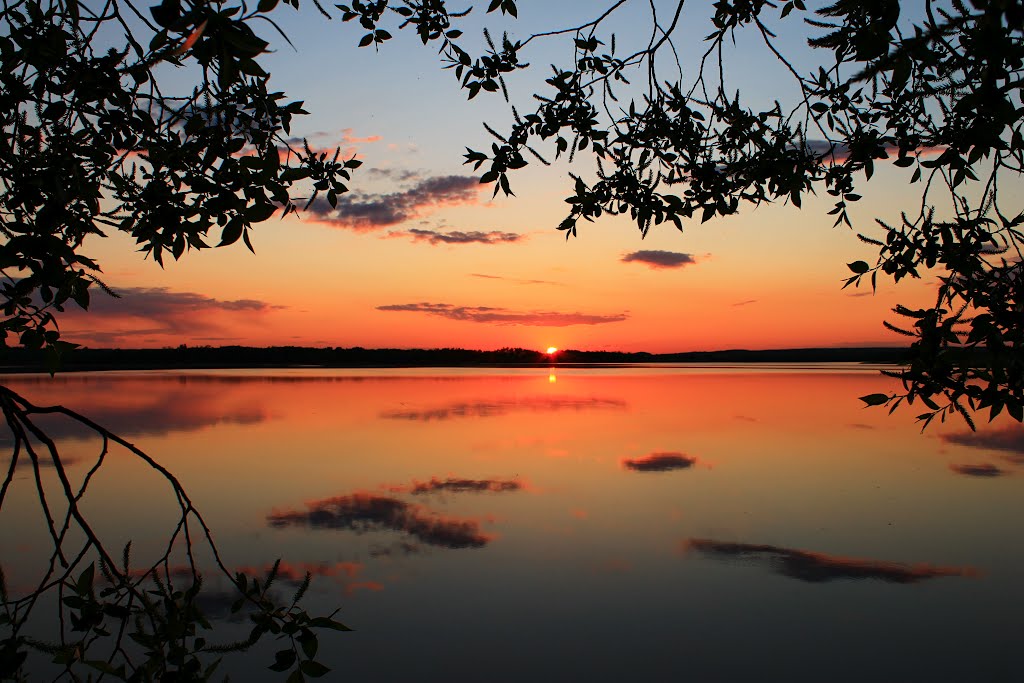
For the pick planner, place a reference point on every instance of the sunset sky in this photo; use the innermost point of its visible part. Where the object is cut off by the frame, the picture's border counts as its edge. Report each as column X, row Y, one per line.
column 420, row 255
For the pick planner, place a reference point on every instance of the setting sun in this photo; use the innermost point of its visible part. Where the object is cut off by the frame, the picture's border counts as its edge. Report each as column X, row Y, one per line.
column 552, row 350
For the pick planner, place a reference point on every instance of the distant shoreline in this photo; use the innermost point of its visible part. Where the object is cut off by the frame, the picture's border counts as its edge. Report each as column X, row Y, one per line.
column 247, row 357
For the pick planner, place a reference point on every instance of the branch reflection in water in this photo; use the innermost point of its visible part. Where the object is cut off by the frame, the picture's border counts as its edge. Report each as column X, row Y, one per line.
column 148, row 623
column 493, row 521
column 815, row 567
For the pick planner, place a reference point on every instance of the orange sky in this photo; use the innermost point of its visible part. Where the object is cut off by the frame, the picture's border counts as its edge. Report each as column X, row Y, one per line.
column 422, row 256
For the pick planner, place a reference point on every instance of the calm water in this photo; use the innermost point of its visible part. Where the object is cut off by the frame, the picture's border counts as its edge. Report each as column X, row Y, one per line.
column 597, row 525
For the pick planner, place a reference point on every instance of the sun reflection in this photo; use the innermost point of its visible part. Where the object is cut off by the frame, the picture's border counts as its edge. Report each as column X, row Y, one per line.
column 551, row 378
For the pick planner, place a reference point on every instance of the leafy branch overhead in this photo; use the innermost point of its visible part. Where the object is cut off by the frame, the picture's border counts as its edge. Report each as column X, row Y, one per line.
column 933, row 89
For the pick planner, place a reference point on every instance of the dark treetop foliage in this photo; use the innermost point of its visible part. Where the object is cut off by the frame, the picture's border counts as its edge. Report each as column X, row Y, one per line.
column 939, row 95
column 92, row 142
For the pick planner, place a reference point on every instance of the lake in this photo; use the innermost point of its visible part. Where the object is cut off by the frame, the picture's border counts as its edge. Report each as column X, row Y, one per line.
column 597, row 524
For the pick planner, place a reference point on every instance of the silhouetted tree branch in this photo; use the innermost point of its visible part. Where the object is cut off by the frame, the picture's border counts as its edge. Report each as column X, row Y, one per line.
column 133, row 624
column 938, row 94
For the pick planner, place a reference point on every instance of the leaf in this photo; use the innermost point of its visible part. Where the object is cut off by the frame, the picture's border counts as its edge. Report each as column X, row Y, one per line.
column 104, row 667
column 308, row 640
column 293, row 173
column 875, row 399
column 84, row 584
column 259, row 212
column 283, row 660
column 313, row 669
column 325, row 622
column 859, row 267
column 231, row 232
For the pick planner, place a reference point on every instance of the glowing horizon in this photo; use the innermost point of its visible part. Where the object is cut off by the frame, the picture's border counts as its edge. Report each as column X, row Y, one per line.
column 420, row 255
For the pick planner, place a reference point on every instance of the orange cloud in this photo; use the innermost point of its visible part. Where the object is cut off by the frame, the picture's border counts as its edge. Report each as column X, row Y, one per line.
column 155, row 311
column 516, row 280
column 435, row 237
column 658, row 259
column 327, row 142
column 838, row 153
column 503, row 316
column 365, row 212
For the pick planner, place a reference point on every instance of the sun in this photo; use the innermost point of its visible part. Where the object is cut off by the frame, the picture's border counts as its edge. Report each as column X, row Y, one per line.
column 552, row 350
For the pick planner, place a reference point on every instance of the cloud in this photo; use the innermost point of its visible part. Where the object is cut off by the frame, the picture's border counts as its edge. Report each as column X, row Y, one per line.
column 155, row 405
column 148, row 311
column 503, row 316
column 393, row 174
column 160, row 302
column 1009, row 438
column 840, row 152
column 327, row 142
column 503, row 407
column 25, row 462
column 296, row 573
column 745, row 303
column 454, row 485
column 333, row 138
column 345, row 574
column 400, row 548
column 435, row 237
column 518, row 281
column 659, row 462
column 982, row 470
column 362, row 512
column 815, row 567
column 660, row 259
column 363, row 212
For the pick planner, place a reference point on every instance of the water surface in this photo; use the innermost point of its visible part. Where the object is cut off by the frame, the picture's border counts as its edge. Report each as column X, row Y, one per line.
column 577, row 524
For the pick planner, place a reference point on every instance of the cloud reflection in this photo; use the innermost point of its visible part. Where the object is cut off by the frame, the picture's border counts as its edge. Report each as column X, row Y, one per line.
column 1009, row 438
column 173, row 408
column 456, row 485
column 659, row 462
column 980, row 470
column 503, row 407
column 346, row 574
column 362, row 512
column 815, row 567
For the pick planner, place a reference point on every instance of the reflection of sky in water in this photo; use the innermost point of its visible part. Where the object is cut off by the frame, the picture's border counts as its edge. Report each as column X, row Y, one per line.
column 608, row 525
